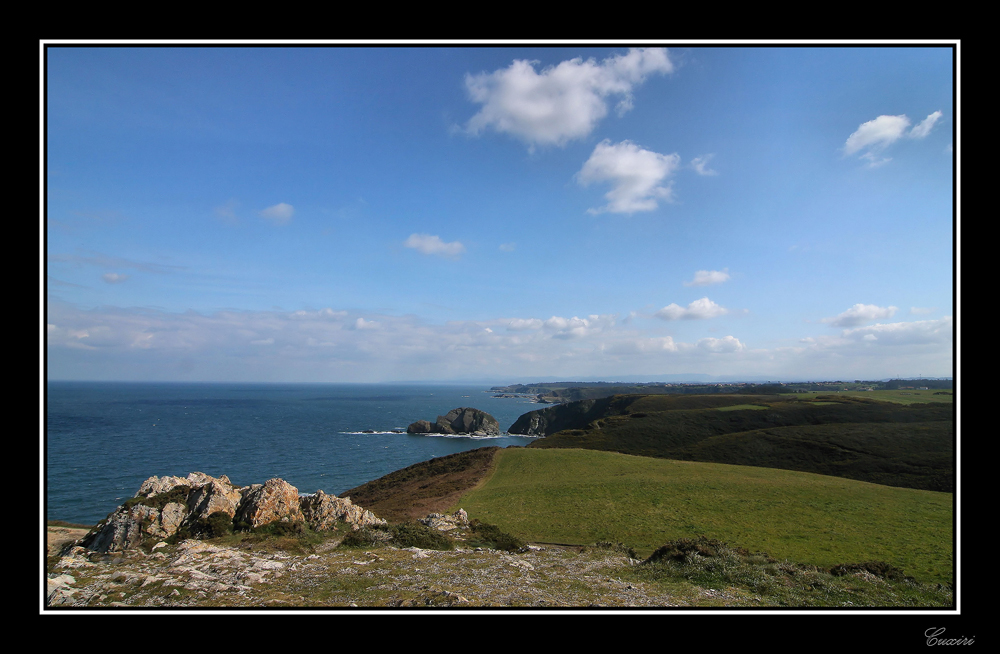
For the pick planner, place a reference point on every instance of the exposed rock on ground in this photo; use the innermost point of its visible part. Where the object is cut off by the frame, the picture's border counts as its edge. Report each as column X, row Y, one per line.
column 457, row 520
column 203, row 574
column 204, row 506
column 463, row 420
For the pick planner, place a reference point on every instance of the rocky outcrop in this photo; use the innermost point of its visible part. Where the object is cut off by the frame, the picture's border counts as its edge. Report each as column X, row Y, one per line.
column 445, row 522
column 322, row 512
column 274, row 501
column 463, row 420
column 199, row 505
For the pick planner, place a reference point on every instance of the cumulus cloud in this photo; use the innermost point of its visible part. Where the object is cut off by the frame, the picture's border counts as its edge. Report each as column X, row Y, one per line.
column 726, row 344
column 521, row 324
column 637, row 176
column 564, row 328
column 709, row 277
column 561, row 103
column 697, row 310
column 700, row 165
column 633, row 346
column 279, row 214
column 427, row 244
column 873, row 137
column 877, row 133
column 919, row 332
column 114, row 278
column 859, row 314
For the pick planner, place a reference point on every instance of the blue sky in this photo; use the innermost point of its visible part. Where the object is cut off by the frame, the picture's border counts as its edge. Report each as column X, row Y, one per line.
column 360, row 214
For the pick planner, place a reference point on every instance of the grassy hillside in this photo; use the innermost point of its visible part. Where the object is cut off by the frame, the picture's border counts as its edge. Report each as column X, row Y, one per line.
column 907, row 445
column 581, row 497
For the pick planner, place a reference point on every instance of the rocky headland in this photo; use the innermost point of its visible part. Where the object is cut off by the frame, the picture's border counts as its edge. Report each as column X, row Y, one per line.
column 203, row 506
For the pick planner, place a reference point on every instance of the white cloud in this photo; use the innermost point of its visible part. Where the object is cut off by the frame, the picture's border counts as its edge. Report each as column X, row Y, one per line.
column 920, row 311
column 697, row 310
column 427, row 244
column 637, row 176
column 700, row 164
column 873, row 137
column 635, row 346
column 925, row 126
column 920, row 332
column 565, row 328
column 563, row 102
column 877, row 133
column 279, row 214
column 709, row 277
column 507, row 247
column 726, row 344
column 521, row 324
column 327, row 345
column 114, row 278
column 859, row 314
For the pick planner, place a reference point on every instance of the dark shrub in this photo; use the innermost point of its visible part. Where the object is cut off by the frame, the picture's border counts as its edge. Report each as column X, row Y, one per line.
column 617, row 547
column 216, row 525
column 678, row 550
column 414, row 534
column 366, row 537
column 491, row 536
column 878, row 568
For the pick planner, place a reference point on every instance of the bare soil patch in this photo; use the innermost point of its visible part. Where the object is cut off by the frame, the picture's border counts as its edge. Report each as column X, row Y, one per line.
column 428, row 487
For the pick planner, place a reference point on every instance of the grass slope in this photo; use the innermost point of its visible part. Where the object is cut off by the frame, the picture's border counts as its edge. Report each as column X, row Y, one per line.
column 426, row 487
column 585, row 496
column 858, row 438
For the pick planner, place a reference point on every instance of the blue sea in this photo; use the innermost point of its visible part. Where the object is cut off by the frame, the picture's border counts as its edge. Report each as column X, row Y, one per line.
column 103, row 439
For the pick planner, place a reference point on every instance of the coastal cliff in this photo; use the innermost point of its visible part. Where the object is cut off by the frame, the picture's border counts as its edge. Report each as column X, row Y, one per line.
column 573, row 415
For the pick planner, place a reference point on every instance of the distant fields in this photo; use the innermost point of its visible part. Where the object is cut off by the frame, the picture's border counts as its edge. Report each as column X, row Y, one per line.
column 584, row 496
column 853, row 435
column 898, row 396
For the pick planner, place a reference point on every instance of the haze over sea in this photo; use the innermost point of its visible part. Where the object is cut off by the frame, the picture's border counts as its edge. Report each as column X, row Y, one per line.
column 103, row 439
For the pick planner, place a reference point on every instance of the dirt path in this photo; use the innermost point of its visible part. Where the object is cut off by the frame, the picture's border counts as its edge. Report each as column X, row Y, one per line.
column 56, row 537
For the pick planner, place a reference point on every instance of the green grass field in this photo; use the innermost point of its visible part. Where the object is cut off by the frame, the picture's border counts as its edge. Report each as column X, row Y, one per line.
column 897, row 396
column 585, row 496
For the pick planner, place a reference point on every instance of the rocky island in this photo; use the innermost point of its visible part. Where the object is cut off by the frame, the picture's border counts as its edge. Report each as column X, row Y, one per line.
column 463, row 420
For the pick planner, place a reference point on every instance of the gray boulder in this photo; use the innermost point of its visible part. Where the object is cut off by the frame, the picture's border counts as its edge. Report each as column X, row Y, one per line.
column 167, row 505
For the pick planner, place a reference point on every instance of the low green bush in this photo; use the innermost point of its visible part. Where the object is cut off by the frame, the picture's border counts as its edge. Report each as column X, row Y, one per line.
column 414, row 534
column 407, row 534
column 617, row 547
column 880, row 569
column 491, row 536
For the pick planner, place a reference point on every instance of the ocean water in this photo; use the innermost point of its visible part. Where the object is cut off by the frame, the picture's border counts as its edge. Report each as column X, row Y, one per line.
column 103, row 439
